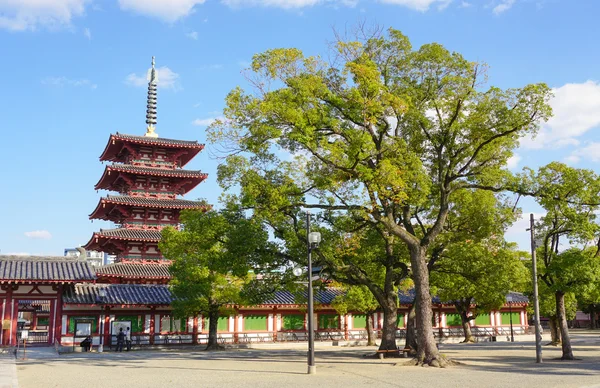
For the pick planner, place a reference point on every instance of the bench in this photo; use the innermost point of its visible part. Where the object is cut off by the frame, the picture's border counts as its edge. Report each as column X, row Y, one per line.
column 394, row 352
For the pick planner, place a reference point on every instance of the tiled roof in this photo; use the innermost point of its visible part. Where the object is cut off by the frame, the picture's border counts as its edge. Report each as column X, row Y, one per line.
column 118, row 294
column 116, row 152
column 153, row 202
column 321, row 296
column 44, row 268
column 135, row 270
column 159, row 141
column 407, row 297
column 156, row 171
column 130, row 234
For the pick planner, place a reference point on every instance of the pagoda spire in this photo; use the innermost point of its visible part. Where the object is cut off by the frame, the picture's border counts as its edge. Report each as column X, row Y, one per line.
column 151, row 104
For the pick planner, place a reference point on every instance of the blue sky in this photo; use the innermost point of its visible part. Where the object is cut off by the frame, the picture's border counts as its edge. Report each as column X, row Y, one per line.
column 73, row 71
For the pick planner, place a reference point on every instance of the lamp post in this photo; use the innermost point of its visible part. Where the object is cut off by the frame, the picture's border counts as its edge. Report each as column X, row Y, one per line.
column 101, row 296
column 536, row 302
column 313, row 240
column 509, row 300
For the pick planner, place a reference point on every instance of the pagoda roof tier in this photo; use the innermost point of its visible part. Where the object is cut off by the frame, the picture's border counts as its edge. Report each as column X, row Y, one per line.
column 117, row 147
column 186, row 179
column 114, row 241
column 109, row 203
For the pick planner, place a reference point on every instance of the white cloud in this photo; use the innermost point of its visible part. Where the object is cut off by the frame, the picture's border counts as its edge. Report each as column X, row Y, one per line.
column 504, row 5
column 513, row 162
column 572, row 159
column 465, row 4
column 39, row 235
column 286, row 4
column 419, row 5
column 206, row 122
column 167, row 10
column 591, row 152
column 576, row 109
column 87, row 33
column 64, row 81
column 20, row 15
column 167, row 79
column 192, row 35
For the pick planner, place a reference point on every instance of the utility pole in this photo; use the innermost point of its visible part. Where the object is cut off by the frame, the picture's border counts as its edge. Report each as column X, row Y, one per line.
column 536, row 302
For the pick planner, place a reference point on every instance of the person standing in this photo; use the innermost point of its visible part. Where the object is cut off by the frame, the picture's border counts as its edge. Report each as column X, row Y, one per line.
column 120, row 340
column 128, row 338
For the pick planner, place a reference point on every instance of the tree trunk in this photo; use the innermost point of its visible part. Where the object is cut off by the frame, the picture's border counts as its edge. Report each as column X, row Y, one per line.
column 427, row 352
column 370, row 331
column 390, row 317
column 466, row 329
column 411, row 325
column 213, row 319
column 554, row 331
column 592, row 317
column 567, row 351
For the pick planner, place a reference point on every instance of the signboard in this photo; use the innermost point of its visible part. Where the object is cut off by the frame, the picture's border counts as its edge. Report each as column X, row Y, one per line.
column 24, row 334
column 83, row 329
column 116, row 325
column 6, row 324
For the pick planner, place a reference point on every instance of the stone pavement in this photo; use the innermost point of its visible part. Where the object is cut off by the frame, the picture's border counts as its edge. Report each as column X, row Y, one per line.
column 482, row 365
column 8, row 371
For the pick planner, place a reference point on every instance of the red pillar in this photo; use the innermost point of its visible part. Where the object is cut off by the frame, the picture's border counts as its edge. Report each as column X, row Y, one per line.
column 195, row 331
column 152, row 325
column 106, row 333
column 56, row 316
column 6, row 333
column 14, row 316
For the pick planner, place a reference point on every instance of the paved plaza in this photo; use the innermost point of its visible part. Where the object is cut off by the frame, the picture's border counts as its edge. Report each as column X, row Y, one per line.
column 499, row 364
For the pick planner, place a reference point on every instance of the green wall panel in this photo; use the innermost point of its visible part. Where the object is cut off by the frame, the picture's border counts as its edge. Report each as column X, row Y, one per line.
column 255, row 322
column 293, row 322
column 505, row 317
column 223, row 324
column 453, row 320
column 483, row 320
column 359, row 321
column 329, row 321
column 400, row 320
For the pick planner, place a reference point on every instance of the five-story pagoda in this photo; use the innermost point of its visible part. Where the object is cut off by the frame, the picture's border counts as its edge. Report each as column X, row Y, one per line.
column 147, row 173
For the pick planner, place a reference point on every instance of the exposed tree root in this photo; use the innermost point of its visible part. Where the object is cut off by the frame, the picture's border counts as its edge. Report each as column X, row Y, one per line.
column 440, row 361
column 214, row 348
column 470, row 340
column 554, row 343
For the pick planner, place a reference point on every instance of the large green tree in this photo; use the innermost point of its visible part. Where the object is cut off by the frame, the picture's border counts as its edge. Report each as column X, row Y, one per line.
column 476, row 277
column 354, row 253
column 358, row 299
column 383, row 133
column 215, row 257
column 567, row 262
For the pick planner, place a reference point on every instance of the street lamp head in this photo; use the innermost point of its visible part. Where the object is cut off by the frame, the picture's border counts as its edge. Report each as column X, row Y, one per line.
column 297, row 271
column 314, row 238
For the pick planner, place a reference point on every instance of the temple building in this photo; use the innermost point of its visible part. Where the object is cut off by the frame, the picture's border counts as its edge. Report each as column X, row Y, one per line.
column 147, row 172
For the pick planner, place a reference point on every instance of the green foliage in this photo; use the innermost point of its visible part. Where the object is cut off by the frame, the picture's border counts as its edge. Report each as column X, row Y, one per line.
column 385, row 138
column 356, row 299
column 215, row 257
column 479, row 273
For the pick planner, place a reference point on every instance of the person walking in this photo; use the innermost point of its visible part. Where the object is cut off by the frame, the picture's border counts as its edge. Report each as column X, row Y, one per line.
column 128, row 338
column 120, row 340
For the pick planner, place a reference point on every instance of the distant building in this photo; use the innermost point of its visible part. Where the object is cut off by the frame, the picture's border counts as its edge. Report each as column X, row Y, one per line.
column 95, row 258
